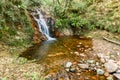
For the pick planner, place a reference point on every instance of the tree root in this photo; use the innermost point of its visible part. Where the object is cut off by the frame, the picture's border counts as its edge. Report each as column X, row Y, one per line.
column 112, row 41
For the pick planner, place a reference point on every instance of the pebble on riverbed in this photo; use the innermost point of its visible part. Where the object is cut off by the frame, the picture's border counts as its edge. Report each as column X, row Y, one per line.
column 68, row 65
column 90, row 61
column 100, row 71
column 83, row 66
column 110, row 77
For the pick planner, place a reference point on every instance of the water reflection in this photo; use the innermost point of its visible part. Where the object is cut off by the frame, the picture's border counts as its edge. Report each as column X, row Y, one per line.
column 57, row 50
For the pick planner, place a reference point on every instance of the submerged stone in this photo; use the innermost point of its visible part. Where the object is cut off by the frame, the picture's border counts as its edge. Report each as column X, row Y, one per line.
column 90, row 61
column 100, row 71
column 68, row 64
column 106, row 74
column 73, row 69
column 67, row 70
column 83, row 66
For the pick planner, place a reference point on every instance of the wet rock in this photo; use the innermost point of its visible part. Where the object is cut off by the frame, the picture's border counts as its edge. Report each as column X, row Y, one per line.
column 86, row 46
column 48, row 77
column 68, row 64
column 82, row 55
column 106, row 74
column 78, row 46
column 97, row 63
column 80, row 43
column 100, row 71
column 102, row 60
column 71, row 52
column 83, row 66
column 92, row 65
column 112, row 56
column 82, row 61
column 111, row 66
column 118, row 71
column 110, row 77
column 107, row 58
column 67, row 70
column 118, row 63
column 118, row 53
column 73, row 70
column 117, row 76
column 86, row 78
column 78, row 74
column 90, row 61
column 100, row 55
column 76, row 53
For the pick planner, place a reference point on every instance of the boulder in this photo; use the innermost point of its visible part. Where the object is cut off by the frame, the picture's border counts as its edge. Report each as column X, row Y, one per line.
column 111, row 66
column 117, row 76
column 67, row 32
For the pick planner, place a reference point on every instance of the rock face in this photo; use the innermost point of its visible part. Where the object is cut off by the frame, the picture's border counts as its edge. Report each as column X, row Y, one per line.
column 111, row 66
column 64, row 32
column 37, row 36
column 68, row 32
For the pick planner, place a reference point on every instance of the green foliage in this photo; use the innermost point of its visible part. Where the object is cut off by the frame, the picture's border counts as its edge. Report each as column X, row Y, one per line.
column 22, row 60
column 34, row 76
column 33, row 3
column 62, row 23
column 14, row 19
column 86, row 14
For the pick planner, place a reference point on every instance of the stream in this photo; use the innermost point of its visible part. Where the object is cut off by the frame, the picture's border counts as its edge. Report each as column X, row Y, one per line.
column 55, row 55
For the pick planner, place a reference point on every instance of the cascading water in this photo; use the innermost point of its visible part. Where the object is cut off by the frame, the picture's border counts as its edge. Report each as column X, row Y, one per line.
column 43, row 28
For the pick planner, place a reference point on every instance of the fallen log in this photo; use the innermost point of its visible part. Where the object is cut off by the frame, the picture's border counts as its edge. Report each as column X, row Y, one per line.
column 112, row 41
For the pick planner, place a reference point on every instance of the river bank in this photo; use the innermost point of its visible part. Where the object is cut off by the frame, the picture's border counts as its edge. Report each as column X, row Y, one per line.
column 12, row 67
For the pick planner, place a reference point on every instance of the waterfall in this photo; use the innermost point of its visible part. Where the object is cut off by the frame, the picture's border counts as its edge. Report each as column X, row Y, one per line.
column 43, row 28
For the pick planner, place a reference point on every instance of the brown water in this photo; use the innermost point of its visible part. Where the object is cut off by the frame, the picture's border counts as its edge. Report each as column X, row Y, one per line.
column 53, row 55
column 62, row 48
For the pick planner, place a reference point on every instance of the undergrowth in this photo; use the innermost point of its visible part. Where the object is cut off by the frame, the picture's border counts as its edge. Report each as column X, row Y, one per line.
column 86, row 14
column 15, row 27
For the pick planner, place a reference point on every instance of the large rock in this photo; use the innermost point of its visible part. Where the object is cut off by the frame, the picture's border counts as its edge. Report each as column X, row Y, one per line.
column 117, row 75
column 111, row 66
column 67, row 32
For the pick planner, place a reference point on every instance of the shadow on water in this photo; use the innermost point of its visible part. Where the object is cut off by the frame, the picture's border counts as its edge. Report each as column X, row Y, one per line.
column 38, row 51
